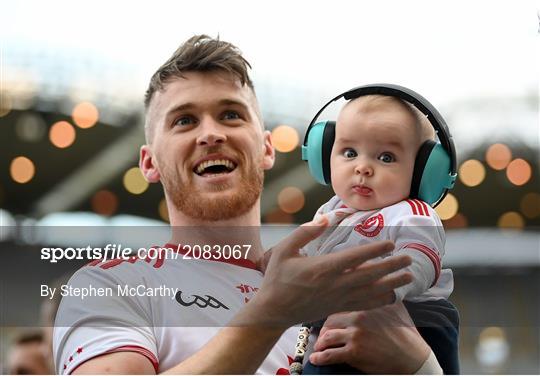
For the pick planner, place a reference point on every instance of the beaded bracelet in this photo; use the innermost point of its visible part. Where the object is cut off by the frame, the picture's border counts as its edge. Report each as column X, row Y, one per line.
column 302, row 342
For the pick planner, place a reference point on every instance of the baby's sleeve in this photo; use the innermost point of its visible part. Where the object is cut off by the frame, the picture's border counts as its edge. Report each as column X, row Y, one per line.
column 417, row 231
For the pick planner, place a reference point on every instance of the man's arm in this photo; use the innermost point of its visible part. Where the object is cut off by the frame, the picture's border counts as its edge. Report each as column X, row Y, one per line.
column 294, row 289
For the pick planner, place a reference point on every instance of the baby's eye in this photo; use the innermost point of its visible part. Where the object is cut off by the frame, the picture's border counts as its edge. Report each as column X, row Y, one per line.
column 349, row 153
column 387, row 158
column 184, row 120
column 231, row 115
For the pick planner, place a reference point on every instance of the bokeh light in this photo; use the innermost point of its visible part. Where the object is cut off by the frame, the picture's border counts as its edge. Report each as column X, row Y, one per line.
column 85, row 115
column 530, row 205
column 519, row 171
column 291, row 200
column 22, row 170
column 448, row 207
column 498, row 156
column 62, row 134
column 5, row 104
column 30, row 127
column 492, row 350
column 104, row 202
column 284, row 138
column 472, row 173
column 134, row 181
column 163, row 211
column 511, row 220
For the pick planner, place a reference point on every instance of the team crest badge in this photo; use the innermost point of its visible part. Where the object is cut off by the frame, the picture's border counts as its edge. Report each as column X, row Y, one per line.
column 371, row 226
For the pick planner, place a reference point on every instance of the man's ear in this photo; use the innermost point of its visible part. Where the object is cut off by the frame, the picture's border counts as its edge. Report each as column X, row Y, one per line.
column 269, row 151
column 147, row 165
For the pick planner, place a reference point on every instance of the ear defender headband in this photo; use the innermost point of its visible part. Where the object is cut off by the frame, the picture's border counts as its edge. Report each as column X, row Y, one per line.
column 435, row 165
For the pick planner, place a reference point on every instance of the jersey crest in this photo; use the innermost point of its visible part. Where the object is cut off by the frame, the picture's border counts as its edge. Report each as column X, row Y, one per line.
column 370, row 227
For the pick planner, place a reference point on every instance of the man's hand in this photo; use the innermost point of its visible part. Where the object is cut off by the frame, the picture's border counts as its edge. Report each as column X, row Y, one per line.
column 382, row 340
column 298, row 289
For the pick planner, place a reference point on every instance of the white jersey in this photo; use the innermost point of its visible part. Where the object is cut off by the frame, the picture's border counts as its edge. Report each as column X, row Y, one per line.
column 412, row 225
column 172, row 308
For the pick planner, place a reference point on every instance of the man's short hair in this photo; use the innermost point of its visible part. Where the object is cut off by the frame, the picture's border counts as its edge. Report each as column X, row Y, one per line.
column 199, row 53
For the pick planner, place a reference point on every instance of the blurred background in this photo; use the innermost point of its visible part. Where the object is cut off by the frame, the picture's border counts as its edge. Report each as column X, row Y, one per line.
column 73, row 76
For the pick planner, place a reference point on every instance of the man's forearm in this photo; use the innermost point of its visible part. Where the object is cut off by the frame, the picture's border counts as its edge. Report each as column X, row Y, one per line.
column 234, row 350
column 239, row 348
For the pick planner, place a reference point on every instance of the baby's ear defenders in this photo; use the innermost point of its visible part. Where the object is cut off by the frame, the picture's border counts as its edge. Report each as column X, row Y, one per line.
column 435, row 166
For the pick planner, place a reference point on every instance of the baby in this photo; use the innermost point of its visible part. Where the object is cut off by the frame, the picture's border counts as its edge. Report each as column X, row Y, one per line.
column 372, row 162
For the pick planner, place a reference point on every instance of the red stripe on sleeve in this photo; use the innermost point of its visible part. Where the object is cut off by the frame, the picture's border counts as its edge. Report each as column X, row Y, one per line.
column 425, row 206
column 431, row 254
column 413, row 207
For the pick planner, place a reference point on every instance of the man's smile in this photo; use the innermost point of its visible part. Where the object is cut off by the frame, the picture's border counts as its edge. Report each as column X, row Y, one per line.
column 214, row 164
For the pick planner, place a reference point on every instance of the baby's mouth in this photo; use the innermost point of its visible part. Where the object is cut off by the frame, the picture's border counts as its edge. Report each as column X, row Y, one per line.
column 363, row 190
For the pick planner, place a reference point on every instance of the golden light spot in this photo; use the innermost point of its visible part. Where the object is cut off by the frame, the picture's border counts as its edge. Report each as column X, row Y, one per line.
column 163, row 211
column 519, row 171
column 498, row 156
column 284, row 138
column 291, row 200
column 134, row 181
column 62, row 134
column 85, row 115
column 5, row 104
column 491, row 332
column 448, row 207
column 472, row 173
column 104, row 202
column 530, row 205
column 511, row 220
column 278, row 216
column 22, row 170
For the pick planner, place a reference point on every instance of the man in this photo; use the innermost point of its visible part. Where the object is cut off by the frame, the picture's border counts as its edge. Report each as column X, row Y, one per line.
column 26, row 356
column 206, row 144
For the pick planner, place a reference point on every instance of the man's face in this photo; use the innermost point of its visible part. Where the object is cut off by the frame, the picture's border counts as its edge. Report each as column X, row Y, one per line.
column 372, row 160
column 208, row 149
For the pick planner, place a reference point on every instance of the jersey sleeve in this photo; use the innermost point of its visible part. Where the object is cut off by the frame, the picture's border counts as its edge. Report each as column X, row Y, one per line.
column 417, row 231
column 97, row 325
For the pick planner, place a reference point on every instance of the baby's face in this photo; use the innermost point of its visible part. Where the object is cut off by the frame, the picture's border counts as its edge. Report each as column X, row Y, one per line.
column 373, row 155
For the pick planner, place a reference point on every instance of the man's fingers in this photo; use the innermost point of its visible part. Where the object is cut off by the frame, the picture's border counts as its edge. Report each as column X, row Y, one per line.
column 329, row 356
column 373, row 271
column 339, row 320
column 331, row 338
column 379, row 293
column 303, row 235
column 352, row 257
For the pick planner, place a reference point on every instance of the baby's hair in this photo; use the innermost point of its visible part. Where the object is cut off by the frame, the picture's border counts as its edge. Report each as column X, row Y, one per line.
column 424, row 129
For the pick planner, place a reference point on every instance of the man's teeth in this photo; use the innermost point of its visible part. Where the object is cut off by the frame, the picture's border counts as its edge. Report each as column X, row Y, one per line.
column 218, row 162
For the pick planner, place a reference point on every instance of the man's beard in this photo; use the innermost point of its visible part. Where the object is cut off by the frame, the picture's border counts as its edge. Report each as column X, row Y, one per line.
column 208, row 207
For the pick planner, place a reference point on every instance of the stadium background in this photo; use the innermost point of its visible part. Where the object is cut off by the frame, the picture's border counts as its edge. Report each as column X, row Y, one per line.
column 71, row 118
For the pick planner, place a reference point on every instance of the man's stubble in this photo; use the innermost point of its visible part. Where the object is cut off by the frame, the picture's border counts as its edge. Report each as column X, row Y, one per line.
column 187, row 199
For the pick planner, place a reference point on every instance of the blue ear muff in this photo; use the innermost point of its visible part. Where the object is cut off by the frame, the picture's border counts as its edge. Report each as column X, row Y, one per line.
column 317, row 149
column 432, row 177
